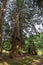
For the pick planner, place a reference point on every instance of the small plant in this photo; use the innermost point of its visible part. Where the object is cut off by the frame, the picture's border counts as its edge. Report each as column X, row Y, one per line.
column 7, row 45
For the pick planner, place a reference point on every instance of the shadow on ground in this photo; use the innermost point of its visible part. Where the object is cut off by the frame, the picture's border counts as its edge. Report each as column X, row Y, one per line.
column 27, row 60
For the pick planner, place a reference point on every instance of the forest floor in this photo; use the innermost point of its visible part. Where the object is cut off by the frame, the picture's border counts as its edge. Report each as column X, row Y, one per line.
column 25, row 60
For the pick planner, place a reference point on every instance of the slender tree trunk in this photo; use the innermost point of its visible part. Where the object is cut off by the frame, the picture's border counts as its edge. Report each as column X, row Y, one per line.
column 2, row 12
column 0, row 34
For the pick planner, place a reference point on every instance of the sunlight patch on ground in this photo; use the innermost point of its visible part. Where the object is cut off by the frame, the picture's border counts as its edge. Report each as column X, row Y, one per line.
column 34, row 64
column 40, row 52
column 24, row 64
column 23, row 58
column 27, row 61
column 4, row 51
column 38, row 61
column 5, row 63
column 1, row 64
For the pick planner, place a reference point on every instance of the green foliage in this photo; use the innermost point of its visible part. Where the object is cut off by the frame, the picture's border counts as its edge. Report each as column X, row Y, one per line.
column 38, row 40
column 7, row 45
column 34, row 42
column 26, row 43
column 20, row 3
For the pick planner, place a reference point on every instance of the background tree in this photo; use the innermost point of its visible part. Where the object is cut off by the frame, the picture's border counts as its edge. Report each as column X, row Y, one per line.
column 2, row 11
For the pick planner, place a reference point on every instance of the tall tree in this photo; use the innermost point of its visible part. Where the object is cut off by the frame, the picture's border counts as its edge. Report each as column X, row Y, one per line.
column 0, row 31
column 2, row 11
column 21, row 13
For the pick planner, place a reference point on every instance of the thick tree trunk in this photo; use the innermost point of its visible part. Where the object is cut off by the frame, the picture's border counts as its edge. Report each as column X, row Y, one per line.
column 17, row 35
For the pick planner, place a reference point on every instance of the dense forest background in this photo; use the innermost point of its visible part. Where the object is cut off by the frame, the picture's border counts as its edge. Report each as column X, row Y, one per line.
column 21, row 27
